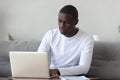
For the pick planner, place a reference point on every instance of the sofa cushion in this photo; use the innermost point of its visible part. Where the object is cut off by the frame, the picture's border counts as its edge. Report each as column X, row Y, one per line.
column 4, row 59
column 24, row 46
column 4, row 50
column 106, row 60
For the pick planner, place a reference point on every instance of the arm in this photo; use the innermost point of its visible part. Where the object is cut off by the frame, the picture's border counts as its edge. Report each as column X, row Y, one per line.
column 45, row 47
column 85, row 60
column 45, row 43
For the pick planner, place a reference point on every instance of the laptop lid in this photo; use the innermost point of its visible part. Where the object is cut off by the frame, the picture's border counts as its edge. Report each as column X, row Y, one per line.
column 29, row 64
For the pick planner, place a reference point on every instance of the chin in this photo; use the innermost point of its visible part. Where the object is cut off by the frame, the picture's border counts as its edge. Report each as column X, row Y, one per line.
column 63, row 32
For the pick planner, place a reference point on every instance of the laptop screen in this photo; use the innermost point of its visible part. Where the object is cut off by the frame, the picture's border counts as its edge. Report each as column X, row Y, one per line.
column 29, row 64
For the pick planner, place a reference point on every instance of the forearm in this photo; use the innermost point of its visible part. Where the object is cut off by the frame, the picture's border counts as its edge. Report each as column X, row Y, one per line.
column 75, row 70
column 82, row 68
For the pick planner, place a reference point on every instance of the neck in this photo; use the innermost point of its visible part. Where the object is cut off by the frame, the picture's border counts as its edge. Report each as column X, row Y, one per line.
column 72, row 33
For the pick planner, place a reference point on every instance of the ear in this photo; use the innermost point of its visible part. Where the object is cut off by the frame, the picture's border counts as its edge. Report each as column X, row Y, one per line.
column 76, row 21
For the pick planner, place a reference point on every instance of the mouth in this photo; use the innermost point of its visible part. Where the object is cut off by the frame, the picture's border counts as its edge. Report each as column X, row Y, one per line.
column 62, row 29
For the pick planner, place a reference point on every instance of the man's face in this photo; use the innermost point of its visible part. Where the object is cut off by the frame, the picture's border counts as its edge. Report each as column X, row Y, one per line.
column 66, row 23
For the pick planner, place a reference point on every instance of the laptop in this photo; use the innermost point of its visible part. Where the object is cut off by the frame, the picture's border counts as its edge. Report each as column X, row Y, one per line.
column 29, row 64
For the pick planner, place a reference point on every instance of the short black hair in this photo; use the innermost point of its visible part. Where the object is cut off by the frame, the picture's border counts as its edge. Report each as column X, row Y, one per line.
column 70, row 9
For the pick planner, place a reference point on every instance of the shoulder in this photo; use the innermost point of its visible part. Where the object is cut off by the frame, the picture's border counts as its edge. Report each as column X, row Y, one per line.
column 51, row 33
column 85, row 36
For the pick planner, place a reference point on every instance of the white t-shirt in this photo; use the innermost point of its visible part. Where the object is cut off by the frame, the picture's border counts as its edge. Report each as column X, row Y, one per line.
column 71, row 55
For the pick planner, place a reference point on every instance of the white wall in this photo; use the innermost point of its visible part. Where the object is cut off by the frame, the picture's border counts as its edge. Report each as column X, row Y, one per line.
column 31, row 19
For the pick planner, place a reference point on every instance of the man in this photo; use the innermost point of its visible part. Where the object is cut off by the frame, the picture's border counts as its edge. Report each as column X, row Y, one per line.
column 69, row 47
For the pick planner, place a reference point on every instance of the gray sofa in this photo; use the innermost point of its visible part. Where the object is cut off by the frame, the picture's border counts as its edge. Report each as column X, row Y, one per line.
column 105, row 63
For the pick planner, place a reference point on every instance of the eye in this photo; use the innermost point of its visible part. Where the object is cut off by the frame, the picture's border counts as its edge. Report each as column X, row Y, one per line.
column 68, row 22
column 59, row 20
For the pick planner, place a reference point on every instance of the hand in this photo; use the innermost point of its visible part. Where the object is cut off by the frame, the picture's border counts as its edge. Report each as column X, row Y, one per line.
column 54, row 72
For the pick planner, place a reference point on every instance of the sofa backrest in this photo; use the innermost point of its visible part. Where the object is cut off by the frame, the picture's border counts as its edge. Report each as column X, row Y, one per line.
column 106, row 60
column 6, row 46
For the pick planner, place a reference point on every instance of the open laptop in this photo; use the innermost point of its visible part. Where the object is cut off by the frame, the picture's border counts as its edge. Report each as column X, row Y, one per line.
column 29, row 64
